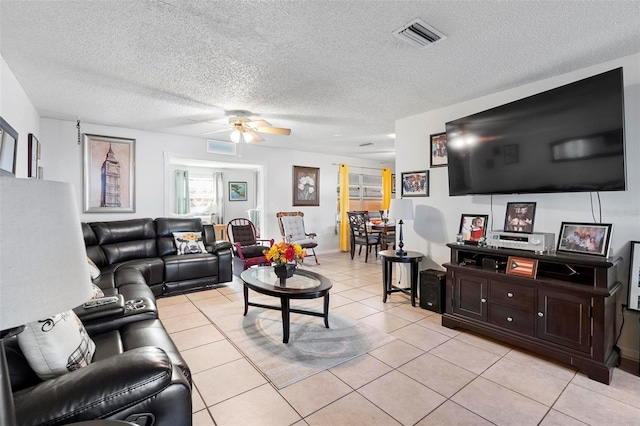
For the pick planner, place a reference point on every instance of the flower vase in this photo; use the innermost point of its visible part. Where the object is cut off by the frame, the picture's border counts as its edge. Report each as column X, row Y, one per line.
column 283, row 272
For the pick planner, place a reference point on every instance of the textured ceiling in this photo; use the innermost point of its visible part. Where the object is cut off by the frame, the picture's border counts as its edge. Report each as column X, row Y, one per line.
column 329, row 70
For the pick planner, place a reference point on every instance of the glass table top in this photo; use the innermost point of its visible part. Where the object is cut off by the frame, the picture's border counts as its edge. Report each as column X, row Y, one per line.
column 264, row 276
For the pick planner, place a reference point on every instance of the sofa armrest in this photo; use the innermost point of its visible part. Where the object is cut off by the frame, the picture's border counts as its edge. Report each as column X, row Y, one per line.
column 104, row 312
column 221, row 246
column 98, row 390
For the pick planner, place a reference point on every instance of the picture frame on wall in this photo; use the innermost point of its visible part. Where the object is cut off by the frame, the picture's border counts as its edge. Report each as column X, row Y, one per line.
column 520, row 217
column 109, row 174
column 33, row 148
column 633, row 295
column 473, row 227
column 237, row 191
column 439, row 150
column 414, row 184
column 393, row 183
column 585, row 238
column 306, row 186
column 8, row 148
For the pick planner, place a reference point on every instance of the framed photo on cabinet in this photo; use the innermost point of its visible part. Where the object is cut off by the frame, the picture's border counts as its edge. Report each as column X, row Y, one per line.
column 585, row 238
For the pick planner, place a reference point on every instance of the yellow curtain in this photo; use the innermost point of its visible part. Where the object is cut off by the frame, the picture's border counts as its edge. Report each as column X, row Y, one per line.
column 344, row 207
column 386, row 188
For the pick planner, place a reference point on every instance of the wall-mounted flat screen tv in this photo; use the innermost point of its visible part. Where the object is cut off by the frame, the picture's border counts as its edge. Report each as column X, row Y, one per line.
column 568, row 139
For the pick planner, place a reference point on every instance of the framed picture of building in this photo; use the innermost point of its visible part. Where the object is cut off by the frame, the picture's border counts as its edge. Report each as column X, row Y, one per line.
column 109, row 174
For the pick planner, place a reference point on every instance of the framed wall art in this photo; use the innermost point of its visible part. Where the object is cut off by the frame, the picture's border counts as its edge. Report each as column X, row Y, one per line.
column 414, row 184
column 8, row 147
column 237, row 191
column 439, row 150
column 109, row 174
column 633, row 295
column 306, row 186
column 585, row 238
column 520, row 217
column 33, row 149
column 473, row 227
column 393, row 183
column 522, row 266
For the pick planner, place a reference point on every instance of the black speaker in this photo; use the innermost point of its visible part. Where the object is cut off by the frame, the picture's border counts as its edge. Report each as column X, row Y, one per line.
column 432, row 290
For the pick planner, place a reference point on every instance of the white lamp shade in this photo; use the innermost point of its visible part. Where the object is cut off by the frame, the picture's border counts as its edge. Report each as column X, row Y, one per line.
column 235, row 136
column 43, row 260
column 401, row 209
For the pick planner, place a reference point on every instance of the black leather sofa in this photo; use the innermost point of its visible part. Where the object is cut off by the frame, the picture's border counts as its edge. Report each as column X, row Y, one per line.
column 147, row 246
column 137, row 373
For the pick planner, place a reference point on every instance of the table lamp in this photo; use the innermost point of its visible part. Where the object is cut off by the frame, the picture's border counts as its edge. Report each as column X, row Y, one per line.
column 401, row 209
column 43, row 262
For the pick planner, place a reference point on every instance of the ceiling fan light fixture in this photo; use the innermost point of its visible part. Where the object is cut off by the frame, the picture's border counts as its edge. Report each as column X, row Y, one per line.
column 236, row 136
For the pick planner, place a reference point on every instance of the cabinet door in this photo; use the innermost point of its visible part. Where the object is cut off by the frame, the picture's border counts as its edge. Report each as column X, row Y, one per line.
column 470, row 296
column 564, row 319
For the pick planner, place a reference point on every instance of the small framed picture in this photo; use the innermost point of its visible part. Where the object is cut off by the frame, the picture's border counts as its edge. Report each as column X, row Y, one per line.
column 520, row 217
column 585, row 238
column 393, row 183
column 522, row 266
column 439, row 150
column 473, row 227
column 306, row 186
column 633, row 298
column 33, row 148
column 237, row 191
column 415, row 184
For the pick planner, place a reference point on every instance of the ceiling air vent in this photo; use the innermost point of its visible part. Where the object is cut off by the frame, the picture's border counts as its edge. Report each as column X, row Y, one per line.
column 418, row 33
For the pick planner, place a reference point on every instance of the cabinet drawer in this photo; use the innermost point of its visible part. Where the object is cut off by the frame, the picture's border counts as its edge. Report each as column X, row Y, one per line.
column 515, row 296
column 512, row 319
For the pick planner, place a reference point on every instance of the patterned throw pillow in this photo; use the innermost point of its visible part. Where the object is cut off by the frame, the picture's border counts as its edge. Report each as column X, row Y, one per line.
column 56, row 345
column 94, row 271
column 189, row 242
column 97, row 292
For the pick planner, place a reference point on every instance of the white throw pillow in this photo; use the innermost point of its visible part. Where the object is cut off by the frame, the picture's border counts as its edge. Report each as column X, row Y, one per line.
column 94, row 271
column 56, row 345
column 97, row 292
column 189, row 242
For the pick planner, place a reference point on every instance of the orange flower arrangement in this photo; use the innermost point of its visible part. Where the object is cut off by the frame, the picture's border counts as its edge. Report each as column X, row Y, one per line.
column 283, row 253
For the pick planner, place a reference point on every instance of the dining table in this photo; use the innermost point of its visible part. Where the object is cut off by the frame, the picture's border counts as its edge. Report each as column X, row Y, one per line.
column 384, row 229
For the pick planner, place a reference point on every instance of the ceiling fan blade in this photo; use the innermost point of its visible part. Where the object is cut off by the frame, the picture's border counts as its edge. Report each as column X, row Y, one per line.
column 258, row 123
column 215, row 131
column 256, row 137
column 274, row 130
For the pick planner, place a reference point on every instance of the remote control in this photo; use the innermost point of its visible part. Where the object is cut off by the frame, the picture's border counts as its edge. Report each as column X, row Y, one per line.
column 100, row 302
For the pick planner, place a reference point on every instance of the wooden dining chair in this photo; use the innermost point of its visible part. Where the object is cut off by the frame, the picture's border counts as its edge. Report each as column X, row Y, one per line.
column 361, row 235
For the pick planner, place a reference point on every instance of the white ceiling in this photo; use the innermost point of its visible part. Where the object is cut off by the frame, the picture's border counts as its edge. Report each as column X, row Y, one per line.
column 330, row 70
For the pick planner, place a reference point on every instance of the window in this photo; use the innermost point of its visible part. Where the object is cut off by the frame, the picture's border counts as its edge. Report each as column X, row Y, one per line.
column 201, row 197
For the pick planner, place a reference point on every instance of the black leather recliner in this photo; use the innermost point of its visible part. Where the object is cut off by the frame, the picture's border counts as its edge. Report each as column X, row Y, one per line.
column 137, row 374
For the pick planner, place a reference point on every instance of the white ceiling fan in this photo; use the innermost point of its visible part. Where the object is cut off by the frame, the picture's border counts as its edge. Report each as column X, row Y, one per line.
column 246, row 129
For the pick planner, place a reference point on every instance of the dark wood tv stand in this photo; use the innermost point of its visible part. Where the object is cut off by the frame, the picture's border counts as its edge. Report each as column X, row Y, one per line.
column 566, row 313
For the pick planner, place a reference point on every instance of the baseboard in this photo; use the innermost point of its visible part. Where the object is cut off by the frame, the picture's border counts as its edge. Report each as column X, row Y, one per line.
column 631, row 366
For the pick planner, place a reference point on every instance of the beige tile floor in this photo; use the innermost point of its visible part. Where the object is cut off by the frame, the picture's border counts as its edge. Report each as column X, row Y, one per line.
column 430, row 375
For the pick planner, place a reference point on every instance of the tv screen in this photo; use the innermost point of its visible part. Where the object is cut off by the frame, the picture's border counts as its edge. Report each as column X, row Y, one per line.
column 567, row 139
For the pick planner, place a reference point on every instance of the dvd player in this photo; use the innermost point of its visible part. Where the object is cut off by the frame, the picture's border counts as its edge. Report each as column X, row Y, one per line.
column 540, row 242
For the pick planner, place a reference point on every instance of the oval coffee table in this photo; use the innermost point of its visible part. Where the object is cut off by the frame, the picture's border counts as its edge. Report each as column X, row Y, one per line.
column 303, row 285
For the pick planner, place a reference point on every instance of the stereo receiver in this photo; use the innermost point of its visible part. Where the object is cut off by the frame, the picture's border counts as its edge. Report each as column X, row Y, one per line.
column 540, row 242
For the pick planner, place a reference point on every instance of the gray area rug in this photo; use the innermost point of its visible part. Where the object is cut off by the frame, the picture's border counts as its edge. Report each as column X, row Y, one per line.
column 312, row 348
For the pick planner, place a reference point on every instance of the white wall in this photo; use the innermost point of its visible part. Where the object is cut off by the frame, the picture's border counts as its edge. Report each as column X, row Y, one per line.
column 63, row 157
column 18, row 111
column 437, row 217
